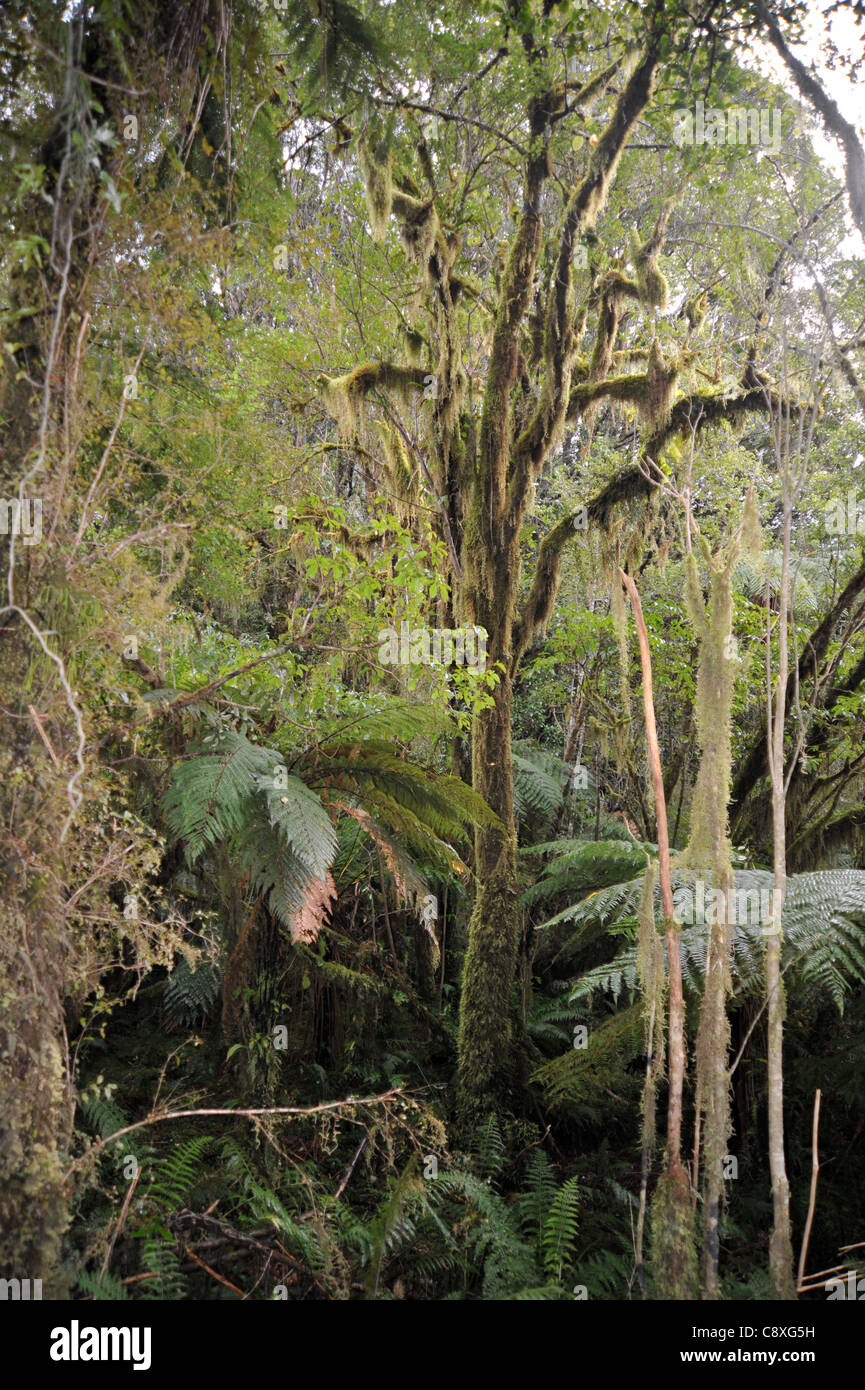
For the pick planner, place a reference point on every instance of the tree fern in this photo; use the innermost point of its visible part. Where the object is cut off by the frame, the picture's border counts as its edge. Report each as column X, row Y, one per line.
column 540, row 782
column 190, row 994
column 583, row 866
column 209, row 793
column 277, row 827
column 276, row 873
column 823, row 923
column 303, row 824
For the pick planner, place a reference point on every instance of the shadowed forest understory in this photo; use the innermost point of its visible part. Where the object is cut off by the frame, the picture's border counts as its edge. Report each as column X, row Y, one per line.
column 433, row 651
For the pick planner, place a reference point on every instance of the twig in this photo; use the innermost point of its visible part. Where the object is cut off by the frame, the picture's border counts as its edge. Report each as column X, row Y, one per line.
column 345, row 1181
column 247, row 1113
column 812, row 1200
column 35, row 716
column 120, row 1220
column 227, row 1282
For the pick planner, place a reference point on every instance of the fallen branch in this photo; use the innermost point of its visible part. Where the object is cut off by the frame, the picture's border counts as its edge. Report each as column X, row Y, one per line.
column 247, row 1113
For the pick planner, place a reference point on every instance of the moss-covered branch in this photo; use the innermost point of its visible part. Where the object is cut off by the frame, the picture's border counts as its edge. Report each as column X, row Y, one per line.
column 343, row 393
column 561, row 338
column 694, row 411
column 754, row 765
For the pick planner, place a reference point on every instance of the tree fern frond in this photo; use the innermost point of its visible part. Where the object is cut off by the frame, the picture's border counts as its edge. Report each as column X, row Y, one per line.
column 298, row 814
column 586, row 865
column 275, row 871
column 209, row 791
column 540, row 781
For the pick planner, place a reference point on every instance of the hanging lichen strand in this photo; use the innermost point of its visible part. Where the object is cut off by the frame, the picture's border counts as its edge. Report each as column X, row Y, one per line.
column 673, row 1255
column 709, row 851
column 651, row 975
column 620, row 625
column 376, row 169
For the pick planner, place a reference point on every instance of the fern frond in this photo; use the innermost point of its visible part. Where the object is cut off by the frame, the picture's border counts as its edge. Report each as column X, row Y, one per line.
column 189, row 995
column 560, row 1229
column 297, row 813
column 540, row 781
column 585, row 866
column 275, row 871
column 209, row 791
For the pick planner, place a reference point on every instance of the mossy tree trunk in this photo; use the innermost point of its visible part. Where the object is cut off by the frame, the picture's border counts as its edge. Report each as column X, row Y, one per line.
column 483, row 474
column 46, row 961
column 709, row 851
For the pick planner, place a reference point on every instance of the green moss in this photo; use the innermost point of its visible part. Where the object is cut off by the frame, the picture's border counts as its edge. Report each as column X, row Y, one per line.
column 674, row 1256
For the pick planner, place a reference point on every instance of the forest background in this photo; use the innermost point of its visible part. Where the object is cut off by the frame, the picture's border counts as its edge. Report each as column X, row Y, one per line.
column 434, row 650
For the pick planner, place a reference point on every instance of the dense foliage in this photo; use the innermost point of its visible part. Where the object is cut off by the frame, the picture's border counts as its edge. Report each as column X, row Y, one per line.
column 352, row 354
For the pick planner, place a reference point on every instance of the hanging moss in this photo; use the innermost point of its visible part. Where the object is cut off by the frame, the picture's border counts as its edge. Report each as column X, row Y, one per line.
column 661, row 381
column 651, row 393
column 402, row 477
column 342, row 394
column 419, row 226
column 695, row 311
column 341, row 403
column 651, row 974
column 752, row 534
column 709, row 850
column 650, row 280
column 415, row 343
column 375, row 166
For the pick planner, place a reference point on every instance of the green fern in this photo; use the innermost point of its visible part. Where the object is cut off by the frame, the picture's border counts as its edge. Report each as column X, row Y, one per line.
column 175, row 1175
column 162, row 1260
column 560, row 1229
column 107, row 1289
column 584, row 866
column 189, row 995
column 275, row 872
column 394, row 1224
column 534, row 1202
column 277, row 827
column 209, row 793
column 302, row 822
column 489, row 1148
column 823, row 923
column 540, row 782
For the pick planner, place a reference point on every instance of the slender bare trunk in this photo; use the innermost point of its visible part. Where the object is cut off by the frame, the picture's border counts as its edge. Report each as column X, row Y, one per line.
column 780, row 1246
column 672, row 1220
